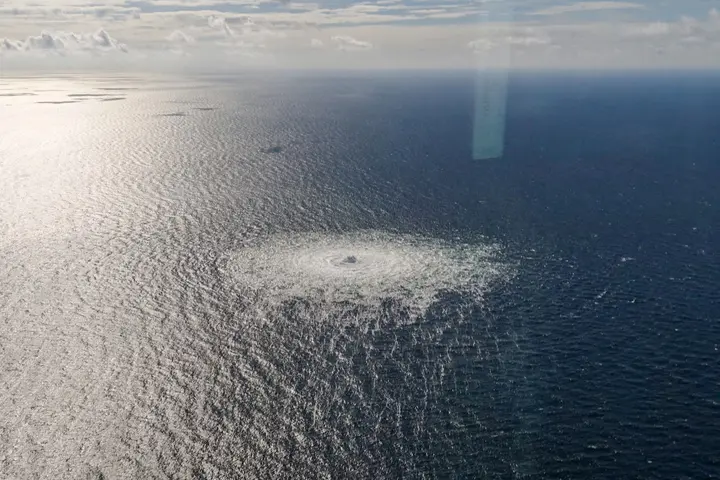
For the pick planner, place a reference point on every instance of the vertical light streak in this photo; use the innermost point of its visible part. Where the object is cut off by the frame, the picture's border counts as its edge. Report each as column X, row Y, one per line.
column 491, row 85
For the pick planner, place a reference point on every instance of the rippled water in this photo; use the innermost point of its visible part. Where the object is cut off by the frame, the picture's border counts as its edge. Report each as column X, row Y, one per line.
column 305, row 277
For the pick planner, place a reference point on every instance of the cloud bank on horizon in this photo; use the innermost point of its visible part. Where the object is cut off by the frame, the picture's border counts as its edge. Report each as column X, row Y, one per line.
column 221, row 34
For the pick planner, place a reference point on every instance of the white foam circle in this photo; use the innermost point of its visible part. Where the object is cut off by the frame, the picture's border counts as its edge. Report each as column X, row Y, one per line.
column 365, row 268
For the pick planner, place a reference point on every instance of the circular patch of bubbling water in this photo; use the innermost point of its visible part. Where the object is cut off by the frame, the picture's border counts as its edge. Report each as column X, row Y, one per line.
column 365, row 268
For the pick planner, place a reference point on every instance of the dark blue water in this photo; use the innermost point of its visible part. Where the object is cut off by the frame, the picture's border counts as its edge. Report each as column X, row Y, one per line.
column 174, row 279
column 610, row 180
column 608, row 192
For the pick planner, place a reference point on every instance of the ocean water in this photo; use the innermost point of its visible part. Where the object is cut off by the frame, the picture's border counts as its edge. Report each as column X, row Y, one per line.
column 306, row 276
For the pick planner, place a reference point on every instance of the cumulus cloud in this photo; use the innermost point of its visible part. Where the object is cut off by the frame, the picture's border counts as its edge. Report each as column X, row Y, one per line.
column 11, row 45
column 234, row 36
column 317, row 43
column 219, row 23
column 259, row 32
column 180, row 37
column 66, row 43
column 102, row 39
column 348, row 43
column 46, row 41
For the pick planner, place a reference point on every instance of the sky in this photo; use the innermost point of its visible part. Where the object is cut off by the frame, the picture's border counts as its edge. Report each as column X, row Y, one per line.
column 217, row 35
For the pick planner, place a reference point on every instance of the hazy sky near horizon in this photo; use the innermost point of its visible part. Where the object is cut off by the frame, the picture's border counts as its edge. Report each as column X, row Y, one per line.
column 212, row 35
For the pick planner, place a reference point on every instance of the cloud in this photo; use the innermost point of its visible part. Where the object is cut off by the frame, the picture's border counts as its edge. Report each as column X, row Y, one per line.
column 386, row 33
column 219, row 23
column 527, row 41
column 244, row 30
column 180, row 37
column 655, row 29
column 511, row 37
column 687, row 29
column 46, row 41
column 231, row 37
column 349, row 44
column 64, row 13
column 11, row 45
column 482, row 44
column 66, row 43
column 586, row 7
column 103, row 39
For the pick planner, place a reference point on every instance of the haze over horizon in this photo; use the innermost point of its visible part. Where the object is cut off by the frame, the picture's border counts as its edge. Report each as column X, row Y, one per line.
column 216, row 35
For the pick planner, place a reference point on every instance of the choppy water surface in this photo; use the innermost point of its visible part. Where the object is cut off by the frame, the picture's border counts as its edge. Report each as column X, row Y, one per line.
column 303, row 277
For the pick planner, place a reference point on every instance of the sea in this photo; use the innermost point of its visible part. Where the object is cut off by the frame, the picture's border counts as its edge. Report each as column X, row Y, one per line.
column 306, row 275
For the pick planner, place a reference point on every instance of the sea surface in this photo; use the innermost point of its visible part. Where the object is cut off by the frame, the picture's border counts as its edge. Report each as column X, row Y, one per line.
column 299, row 276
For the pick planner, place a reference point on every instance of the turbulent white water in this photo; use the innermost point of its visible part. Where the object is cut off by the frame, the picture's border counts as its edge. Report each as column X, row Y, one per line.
column 365, row 268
